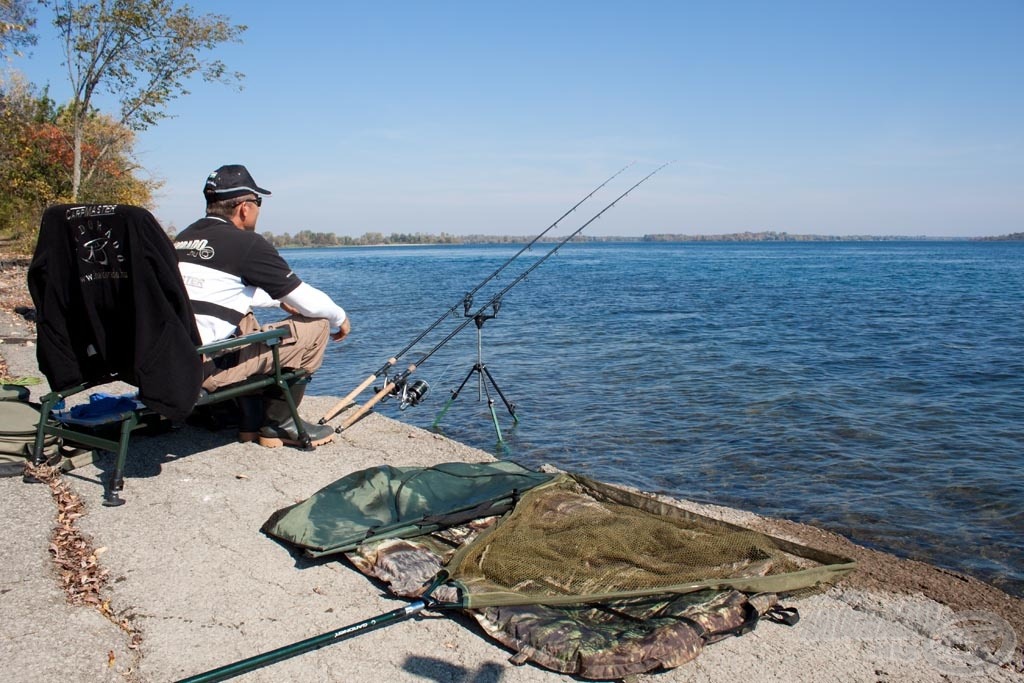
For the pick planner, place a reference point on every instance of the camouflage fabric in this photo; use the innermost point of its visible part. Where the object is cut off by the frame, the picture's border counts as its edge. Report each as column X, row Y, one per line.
column 589, row 579
column 407, row 566
column 609, row 641
column 595, row 642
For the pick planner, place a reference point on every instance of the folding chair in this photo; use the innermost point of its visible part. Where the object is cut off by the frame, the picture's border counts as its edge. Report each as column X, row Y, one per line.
column 111, row 306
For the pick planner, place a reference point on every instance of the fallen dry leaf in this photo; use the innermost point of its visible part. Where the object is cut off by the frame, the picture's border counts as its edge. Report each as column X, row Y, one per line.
column 77, row 561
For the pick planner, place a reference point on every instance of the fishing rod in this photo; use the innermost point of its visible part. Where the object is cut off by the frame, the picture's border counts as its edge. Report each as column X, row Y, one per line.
column 399, row 382
column 426, row 601
column 466, row 303
column 259, row 661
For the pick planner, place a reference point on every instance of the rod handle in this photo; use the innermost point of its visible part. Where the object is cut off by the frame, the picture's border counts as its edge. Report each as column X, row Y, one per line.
column 350, row 398
column 365, row 408
column 368, row 406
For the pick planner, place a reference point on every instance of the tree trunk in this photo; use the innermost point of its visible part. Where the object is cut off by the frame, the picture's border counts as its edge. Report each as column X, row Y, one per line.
column 76, row 166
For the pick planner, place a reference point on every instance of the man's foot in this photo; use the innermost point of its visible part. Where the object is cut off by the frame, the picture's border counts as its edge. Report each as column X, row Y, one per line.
column 286, row 434
column 250, row 417
column 248, row 437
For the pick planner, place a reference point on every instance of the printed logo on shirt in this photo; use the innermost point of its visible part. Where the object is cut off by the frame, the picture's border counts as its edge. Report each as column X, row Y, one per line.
column 97, row 246
column 196, row 249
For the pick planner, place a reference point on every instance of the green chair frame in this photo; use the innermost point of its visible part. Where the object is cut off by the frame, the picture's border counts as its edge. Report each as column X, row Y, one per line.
column 131, row 420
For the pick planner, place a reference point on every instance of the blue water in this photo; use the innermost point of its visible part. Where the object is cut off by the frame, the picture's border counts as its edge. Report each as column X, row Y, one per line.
column 872, row 388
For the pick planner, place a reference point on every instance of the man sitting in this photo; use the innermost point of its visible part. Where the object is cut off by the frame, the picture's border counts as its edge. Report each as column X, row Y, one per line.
column 228, row 269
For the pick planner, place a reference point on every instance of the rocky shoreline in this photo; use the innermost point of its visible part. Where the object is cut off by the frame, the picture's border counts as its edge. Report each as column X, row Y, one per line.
column 881, row 586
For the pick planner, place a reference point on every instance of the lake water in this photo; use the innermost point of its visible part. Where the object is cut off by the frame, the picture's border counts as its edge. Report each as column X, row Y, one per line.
column 872, row 388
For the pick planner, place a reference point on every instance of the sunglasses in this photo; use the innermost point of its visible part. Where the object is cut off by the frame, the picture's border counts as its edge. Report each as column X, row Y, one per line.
column 258, row 201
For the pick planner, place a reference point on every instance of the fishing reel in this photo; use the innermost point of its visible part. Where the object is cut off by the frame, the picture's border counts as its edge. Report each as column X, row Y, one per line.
column 408, row 395
column 411, row 394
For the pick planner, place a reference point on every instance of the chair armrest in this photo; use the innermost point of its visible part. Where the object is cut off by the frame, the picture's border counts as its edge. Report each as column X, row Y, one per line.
column 268, row 337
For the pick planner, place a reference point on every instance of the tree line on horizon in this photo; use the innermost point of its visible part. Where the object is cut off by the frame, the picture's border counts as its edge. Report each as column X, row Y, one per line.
column 308, row 238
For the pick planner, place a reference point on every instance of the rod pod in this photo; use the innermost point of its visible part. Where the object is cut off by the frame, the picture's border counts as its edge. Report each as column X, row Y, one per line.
column 466, row 302
column 398, row 380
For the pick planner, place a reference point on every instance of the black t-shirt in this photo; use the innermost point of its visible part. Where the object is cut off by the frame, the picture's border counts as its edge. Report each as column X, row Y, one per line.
column 224, row 269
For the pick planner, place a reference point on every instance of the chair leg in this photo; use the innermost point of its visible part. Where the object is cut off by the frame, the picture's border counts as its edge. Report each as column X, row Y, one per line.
column 112, row 491
column 293, row 396
column 38, row 454
column 115, row 483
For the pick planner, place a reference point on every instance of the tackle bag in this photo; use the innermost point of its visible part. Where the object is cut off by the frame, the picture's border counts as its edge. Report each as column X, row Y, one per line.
column 399, row 502
column 19, row 420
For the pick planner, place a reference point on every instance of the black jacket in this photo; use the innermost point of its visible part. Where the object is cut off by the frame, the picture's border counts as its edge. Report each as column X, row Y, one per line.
column 111, row 306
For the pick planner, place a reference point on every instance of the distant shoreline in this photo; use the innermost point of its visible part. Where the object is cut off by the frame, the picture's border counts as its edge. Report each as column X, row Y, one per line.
column 307, row 239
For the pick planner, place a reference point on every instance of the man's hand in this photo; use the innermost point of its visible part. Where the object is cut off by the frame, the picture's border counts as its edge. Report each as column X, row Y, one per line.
column 343, row 331
column 289, row 309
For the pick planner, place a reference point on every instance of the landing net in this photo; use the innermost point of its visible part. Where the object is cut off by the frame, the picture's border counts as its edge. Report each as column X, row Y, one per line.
column 575, row 540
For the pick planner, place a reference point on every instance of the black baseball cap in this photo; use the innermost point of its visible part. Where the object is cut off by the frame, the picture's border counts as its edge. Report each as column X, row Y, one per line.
column 230, row 181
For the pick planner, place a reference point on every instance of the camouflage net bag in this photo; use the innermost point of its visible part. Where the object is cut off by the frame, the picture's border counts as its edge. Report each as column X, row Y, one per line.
column 588, row 579
column 598, row 642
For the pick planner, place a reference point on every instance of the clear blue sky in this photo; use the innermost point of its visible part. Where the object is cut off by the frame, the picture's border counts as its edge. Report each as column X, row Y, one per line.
column 862, row 117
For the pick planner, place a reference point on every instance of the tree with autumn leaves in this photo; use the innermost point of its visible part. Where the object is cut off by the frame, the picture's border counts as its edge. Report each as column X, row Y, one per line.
column 36, row 162
column 143, row 53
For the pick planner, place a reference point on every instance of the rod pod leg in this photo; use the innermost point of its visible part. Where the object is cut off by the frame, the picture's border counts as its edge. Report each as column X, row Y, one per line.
column 455, row 395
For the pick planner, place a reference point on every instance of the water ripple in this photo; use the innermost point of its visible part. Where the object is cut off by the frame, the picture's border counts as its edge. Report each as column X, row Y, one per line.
column 874, row 389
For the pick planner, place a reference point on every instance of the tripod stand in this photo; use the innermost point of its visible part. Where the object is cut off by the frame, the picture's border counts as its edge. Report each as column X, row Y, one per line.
column 485, row 380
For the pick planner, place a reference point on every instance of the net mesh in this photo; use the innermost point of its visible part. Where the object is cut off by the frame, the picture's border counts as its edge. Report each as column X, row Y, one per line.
column 568, row 539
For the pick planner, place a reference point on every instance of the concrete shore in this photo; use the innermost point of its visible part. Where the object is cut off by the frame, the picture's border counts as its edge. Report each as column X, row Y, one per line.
column 192, row 584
